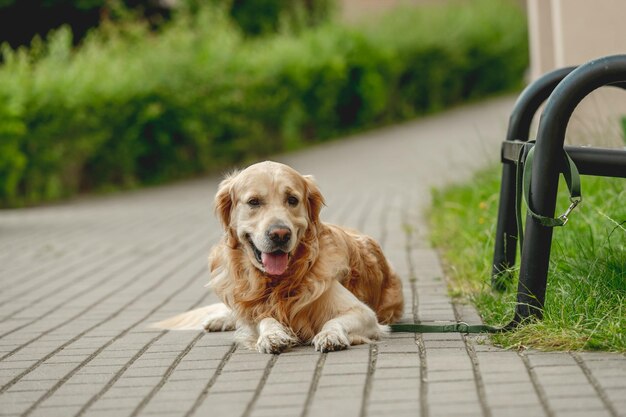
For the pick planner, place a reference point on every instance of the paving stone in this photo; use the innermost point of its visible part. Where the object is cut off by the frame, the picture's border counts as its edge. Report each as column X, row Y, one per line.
column 513, row 411
column 447, row 376
column 396, row 373
column 576, row 403
column 278, row 388
column 276, row 411
column 514, row 399
column 509, row 389
column 282, row 400
column 336, row 407
column 581, row 413
column 452, row 409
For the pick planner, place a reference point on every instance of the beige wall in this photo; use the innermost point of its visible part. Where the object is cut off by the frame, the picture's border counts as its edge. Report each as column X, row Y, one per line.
column 571, row 32
column 354, row 10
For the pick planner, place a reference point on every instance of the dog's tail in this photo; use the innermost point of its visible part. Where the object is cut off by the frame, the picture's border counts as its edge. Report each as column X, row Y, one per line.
column 213, row 318
column 191, row 320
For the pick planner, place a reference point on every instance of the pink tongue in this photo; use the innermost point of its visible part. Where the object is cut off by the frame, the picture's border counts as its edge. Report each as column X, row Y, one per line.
column 275, row 263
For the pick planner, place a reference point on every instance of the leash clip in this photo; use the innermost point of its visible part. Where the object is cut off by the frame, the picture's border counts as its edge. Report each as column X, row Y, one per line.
column 564, row 217
column 459, row 327
column 462, row 327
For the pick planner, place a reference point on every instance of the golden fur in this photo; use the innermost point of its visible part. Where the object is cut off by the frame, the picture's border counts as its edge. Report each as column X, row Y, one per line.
column 337, row 285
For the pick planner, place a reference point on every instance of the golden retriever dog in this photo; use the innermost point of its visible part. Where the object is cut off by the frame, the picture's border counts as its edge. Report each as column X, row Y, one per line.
column 286, row 278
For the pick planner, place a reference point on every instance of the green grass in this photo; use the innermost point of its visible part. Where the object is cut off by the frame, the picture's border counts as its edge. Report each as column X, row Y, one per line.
column 585, row 306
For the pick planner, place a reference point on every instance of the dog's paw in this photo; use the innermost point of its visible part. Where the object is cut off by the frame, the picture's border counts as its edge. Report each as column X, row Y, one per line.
column 275, row 342
column 331, row 340
column 219, row 322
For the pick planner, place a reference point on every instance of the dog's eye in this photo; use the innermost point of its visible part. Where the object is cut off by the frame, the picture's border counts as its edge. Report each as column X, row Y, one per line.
column 292, row 201
column 254, row 202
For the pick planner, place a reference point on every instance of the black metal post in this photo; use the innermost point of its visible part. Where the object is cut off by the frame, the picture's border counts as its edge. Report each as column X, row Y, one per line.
column 519, row 129
column 550, row 138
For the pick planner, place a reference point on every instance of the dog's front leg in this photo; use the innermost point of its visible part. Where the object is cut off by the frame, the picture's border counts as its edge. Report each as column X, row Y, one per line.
column 274, row 337
column 218, row 318
column 354, row 323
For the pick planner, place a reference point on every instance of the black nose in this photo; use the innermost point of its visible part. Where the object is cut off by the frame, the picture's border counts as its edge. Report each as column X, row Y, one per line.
column 279, row 234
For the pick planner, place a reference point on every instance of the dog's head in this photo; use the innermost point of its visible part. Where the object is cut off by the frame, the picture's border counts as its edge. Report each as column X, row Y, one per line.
column 267, row 209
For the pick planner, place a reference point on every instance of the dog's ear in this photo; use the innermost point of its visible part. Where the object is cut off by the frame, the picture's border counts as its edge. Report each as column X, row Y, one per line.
column 224, row 202
column 315, row 199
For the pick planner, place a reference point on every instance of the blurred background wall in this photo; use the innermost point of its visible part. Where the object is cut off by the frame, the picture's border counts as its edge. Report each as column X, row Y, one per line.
column 571, row 32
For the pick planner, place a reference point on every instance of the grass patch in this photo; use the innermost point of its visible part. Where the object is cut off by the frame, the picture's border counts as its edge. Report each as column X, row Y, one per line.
column 586, row 293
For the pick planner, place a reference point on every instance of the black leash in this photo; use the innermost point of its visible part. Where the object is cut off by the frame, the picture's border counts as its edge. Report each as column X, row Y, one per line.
column 523, row 180
column 459, row 327
column 522, row 189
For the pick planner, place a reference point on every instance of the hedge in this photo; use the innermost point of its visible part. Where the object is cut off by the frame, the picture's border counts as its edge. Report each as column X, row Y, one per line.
column 128, row 107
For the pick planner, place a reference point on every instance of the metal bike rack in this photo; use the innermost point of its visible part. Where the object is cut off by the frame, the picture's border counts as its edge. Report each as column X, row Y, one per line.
column 564, row 89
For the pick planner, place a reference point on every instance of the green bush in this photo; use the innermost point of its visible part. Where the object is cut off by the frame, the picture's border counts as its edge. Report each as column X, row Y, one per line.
column 130, row 107
column 262, row 17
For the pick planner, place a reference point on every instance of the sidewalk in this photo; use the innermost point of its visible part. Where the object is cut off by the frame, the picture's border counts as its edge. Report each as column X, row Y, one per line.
column 81, row 281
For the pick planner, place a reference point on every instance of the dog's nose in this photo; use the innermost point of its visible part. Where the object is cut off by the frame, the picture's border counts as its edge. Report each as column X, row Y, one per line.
column 279, row 234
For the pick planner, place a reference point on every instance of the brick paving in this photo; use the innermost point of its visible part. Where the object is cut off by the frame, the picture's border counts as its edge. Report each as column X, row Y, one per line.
column 81, row 281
